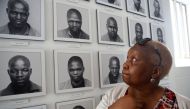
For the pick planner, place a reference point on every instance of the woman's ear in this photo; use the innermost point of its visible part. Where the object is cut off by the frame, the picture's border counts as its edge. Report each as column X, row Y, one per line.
column 156, row 72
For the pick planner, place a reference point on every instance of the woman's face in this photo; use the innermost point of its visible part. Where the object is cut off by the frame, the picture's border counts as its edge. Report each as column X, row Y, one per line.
column 137, row 69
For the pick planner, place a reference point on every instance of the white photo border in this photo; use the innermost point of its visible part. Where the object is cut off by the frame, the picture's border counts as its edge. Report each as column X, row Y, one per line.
column 152, row 25
column 99, row 33
column 150, row 11
column 42, row 37
column 111, row 5
column 135, row 12
column 139, row 20
column 57, row 104
column 100, row 53
column 28, row 95
column 56, row 38
column 56, row 52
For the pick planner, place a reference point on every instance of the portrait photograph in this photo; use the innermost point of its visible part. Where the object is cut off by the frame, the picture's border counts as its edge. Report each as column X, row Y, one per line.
column 156, row 9
column 111, row 65
column 73, row 70
column 71, row 22
column 22, row 19
column 34, row 107
column 137, row 6
column 158, row 32
column 22, row 73
column 138, row 29
column 110, row 28
column 111, row 3
column 87, row 103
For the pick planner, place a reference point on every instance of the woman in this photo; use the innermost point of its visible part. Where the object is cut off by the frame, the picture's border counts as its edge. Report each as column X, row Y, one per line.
column 147, row 63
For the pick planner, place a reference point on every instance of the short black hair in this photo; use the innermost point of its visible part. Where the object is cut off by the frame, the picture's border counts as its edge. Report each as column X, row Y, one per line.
column 75, row 58
column 78, row 106
column 138, row 24
column 11, row 3
column 114, row 58
column 72, row 10
column 18, row 57
column 113, row 19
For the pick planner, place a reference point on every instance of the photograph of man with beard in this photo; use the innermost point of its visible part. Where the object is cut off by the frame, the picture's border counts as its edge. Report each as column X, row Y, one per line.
column 112, row 30
column 75, row 70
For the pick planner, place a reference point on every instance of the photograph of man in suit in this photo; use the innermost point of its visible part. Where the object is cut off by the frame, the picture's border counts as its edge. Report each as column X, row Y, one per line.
column 137, row 6
column 75, row 70
column 19, row 72
column 114, row 75
column 156, row 5
column 74, row 20
column 112, row 30
column 18, row 13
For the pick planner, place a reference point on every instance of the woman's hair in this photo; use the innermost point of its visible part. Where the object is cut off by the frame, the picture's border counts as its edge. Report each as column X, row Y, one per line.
column 163, row 54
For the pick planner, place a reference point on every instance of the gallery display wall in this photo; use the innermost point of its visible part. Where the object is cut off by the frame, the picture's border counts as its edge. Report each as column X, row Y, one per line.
column 51, row 45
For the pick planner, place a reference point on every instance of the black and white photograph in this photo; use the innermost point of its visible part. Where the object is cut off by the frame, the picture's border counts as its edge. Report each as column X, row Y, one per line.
column 35, row 107
column 138, row 29
column 87, row 103
column 110, row 64
column 158, row 32
column 156, row 10
column 22, row 73
column 73, row 70
column 71, row 22
column 137, row 6
column 111, row 3
column 110, row 28
column 22, row 19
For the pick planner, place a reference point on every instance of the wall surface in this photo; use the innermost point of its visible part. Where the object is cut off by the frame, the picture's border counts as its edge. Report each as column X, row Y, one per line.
column 178, row 76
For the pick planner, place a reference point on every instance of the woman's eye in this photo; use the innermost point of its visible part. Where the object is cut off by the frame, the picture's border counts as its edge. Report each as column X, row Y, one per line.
column 134, row 60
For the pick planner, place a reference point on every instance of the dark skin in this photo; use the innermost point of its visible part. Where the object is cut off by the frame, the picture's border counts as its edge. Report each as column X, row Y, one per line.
column 137, row 72
column 18, row 16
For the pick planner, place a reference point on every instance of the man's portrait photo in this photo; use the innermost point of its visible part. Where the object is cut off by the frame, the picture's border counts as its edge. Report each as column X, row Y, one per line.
column 72, row 23
column 137, row 30
column 21, row 75
column 110, row 29
column 22, row 19
column 112, row 3
column 137, row 6
column 88, row 103
column 74, row 71
column 111, row 68
column 156, row 9
column 158, row 33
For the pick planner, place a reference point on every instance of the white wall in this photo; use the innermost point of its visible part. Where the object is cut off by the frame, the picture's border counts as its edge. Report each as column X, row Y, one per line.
column 179, row 76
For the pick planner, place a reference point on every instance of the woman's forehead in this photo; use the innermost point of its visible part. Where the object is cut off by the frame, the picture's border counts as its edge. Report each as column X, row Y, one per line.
column 139, row 50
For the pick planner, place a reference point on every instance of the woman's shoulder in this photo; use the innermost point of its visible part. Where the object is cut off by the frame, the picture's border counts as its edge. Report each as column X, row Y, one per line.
column 183, row 102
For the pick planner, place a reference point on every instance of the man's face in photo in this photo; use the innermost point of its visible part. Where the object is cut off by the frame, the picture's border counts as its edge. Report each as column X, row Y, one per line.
column 19, row 73
column 138, row 32
column 18, row 15
column 156, row 7
column 76, row 71
column 159, row 35
column 74, row 23
column 137, row 3
column 111, row 1
column 112, row 29
column 114, row 68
